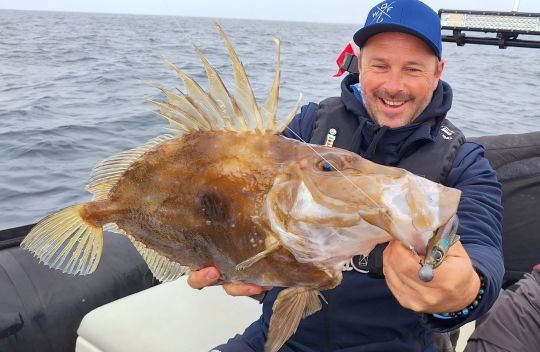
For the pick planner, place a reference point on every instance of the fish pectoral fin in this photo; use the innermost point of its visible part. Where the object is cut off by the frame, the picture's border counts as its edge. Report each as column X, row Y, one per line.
column 250, row 261
column 291, row 305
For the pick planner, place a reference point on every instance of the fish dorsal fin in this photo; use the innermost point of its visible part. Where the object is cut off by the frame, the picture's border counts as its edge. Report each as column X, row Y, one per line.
column 201, row 101
column 217, row 109
column 161, row 267
column 270, row 107
column 107, row 173
column 244, row 93
column 291, row 305
column 218, row 91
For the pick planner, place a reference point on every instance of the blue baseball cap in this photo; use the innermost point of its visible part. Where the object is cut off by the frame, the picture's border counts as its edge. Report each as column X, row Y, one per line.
column 408, row 16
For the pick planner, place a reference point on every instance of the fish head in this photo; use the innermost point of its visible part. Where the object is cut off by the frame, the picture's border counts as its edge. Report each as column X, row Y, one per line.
column 322, row 201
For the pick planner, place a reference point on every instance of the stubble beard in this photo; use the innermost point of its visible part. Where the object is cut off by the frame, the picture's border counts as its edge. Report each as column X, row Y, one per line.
column 377, row 94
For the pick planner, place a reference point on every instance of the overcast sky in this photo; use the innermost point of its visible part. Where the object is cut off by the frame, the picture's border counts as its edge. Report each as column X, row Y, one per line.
column 336, row 11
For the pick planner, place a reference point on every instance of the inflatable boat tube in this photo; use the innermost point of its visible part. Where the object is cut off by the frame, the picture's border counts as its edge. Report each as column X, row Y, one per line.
column 41, row 308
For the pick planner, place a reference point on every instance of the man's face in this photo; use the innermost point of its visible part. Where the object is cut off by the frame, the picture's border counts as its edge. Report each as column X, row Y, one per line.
column 398, row 74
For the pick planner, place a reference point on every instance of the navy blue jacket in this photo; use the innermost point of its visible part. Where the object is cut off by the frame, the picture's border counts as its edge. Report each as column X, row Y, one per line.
column 362, row 314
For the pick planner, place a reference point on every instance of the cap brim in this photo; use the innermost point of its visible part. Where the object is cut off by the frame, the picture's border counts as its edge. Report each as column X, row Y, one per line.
column 363, row 34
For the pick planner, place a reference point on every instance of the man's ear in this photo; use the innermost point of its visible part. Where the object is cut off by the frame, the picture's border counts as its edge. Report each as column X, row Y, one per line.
column 438, row 74
column 359, row 59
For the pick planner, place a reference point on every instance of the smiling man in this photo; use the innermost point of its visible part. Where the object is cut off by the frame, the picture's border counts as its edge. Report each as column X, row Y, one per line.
column 394, row 113
column 398, row 75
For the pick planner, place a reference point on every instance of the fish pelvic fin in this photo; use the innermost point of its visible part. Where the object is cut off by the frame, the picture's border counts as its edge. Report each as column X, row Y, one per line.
column 65, row 241
column 291, row 305
column 162, row 268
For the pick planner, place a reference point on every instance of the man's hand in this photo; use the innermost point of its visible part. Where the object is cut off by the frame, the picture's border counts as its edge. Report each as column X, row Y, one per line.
column 209, row 276
column 454, row 286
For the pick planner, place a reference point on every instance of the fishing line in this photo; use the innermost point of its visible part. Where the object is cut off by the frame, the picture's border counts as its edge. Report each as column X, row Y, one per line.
column 339, row 171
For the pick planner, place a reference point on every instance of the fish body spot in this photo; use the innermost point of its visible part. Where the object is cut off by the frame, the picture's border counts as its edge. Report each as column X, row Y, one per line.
column 214, row 208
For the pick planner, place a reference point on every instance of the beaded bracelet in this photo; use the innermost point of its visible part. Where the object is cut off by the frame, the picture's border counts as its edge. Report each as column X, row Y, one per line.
column 467, row 310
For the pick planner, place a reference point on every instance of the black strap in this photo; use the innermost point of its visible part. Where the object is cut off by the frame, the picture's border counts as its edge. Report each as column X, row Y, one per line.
column 375, row 262
column 311, row 110
column 434, row 160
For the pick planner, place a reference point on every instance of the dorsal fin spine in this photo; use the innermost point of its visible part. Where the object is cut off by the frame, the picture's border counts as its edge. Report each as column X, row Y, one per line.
column 244, row 93
column 217, row 109
column 218, row 92
column 271, row 104
column 192, row 88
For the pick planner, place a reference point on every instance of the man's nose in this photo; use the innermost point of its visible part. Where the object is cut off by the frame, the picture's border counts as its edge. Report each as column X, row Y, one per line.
column 394, row 82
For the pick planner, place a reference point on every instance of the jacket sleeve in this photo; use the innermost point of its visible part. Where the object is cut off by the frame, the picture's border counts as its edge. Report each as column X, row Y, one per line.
column 480, row 216
column 301, row 127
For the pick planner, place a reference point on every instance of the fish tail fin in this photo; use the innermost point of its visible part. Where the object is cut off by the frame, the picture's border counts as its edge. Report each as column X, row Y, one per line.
column 65, row 241
column 291, row 305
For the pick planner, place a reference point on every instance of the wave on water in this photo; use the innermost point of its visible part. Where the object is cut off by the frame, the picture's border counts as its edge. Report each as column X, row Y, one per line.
column 72, row 91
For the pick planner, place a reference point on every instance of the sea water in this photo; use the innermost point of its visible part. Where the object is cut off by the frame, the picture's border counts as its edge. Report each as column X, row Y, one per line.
column 72, row 89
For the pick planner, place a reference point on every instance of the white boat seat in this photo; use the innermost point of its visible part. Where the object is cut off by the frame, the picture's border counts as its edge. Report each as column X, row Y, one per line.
column 168, row 317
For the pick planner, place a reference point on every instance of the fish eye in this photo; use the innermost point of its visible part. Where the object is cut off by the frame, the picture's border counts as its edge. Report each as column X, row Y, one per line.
column 328, row 164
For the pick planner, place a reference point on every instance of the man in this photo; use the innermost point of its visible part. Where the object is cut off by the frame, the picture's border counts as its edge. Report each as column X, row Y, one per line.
column 393, row 113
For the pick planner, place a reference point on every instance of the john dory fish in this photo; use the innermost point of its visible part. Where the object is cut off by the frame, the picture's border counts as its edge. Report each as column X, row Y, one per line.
column 226, row 190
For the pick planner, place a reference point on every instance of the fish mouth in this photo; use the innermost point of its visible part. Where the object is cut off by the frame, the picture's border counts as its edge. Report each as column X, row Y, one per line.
column 329, row 217
column 319, row 228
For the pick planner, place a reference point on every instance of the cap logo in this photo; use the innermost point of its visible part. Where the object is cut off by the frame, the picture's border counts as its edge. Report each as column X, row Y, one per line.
column 382, row 12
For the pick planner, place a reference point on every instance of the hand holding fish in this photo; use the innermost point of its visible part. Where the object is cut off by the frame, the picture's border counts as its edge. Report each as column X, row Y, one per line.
column 209, row 276
column 454, row 287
